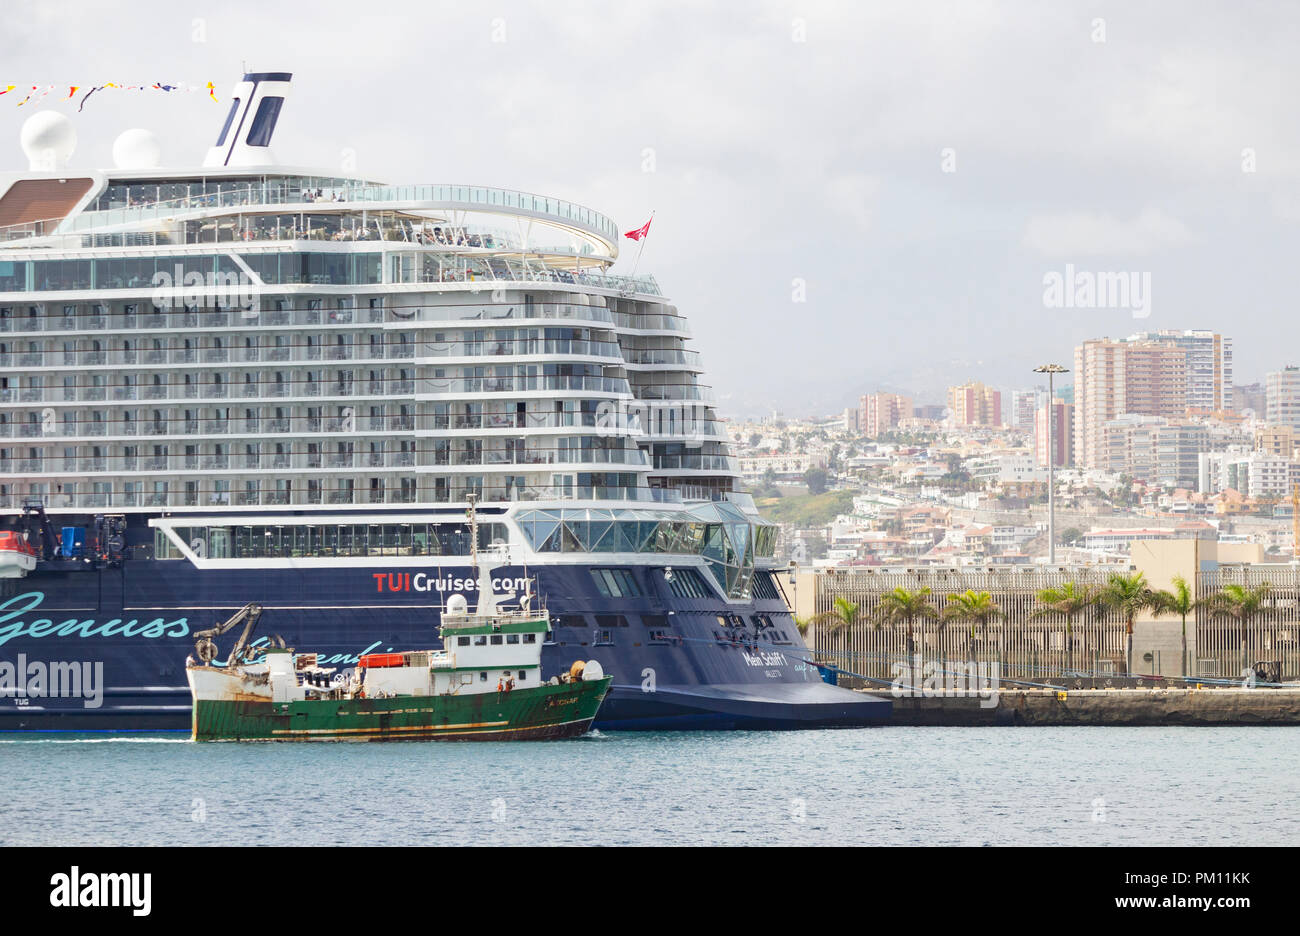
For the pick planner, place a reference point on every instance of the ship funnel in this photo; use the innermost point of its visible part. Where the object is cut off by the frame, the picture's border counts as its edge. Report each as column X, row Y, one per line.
column 255, row 104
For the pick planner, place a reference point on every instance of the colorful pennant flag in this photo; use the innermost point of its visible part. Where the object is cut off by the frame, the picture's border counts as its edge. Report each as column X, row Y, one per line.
column 37, row 92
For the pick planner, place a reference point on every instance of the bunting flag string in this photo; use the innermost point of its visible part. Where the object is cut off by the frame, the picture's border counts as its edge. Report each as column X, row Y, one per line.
column 37, row 92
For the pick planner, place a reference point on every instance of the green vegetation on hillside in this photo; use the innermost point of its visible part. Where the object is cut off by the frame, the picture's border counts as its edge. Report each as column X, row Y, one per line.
column 806, row 510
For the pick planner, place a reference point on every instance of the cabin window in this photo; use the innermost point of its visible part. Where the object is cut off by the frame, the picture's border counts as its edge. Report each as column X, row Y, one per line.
column 496, row 640
column 530, row 638
column 512, row 638
column 523, row 674
column 462, row 641
column 482, row 676
column 615, row 583
column 686, row 583
column 480, row 641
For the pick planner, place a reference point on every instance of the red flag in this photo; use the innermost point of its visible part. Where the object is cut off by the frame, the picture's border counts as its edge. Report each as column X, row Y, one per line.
column 640, row 232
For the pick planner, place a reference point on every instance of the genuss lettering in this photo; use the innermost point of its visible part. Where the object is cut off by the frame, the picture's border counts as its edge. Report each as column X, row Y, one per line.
column 15, row 623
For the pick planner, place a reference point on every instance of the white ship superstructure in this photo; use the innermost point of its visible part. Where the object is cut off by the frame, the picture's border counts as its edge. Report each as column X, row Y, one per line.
column 249, row 337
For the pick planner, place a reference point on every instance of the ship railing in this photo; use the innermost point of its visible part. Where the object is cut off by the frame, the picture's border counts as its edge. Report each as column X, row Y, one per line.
column 111, row 214
column 456, row 621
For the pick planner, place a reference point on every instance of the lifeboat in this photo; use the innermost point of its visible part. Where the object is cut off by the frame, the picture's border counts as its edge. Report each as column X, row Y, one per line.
column 17, row 557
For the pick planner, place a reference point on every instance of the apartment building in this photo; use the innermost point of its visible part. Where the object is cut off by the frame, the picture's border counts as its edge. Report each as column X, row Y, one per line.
column 974, row 404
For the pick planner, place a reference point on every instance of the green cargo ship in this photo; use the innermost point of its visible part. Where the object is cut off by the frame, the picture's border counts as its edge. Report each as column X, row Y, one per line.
column 485, row 684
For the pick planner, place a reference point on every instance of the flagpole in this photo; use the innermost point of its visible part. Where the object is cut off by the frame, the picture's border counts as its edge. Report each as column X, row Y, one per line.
column 641, row 247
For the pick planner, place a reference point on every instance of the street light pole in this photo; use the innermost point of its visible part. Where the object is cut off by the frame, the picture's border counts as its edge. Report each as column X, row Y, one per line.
column 1051, row 370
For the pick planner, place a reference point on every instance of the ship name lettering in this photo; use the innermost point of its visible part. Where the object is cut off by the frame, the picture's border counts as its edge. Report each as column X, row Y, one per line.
column 19, row 605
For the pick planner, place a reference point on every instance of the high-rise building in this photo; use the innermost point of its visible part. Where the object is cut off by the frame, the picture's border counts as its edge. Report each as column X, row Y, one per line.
column 1062, row 439
column 1275, row 440
column 1116, row 378
column 1209, row 365
column 1255, row 474
column 880, row 412
column 1153, row 449
column 1022, row 407
column 1282, row 397
column 974, row 404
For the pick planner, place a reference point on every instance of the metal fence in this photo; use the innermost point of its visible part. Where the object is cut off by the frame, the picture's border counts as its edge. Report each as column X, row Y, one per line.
column 1224, row 649
column 1027, row 648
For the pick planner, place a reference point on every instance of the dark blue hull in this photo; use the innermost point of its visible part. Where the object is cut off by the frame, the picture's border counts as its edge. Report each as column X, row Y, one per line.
column 677, row 663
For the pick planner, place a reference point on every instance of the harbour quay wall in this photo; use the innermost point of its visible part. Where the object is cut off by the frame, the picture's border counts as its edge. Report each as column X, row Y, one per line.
column 1113, row 707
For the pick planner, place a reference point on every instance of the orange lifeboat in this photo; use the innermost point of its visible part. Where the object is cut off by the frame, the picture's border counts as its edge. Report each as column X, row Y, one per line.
column 381, row 660
column 17, row 557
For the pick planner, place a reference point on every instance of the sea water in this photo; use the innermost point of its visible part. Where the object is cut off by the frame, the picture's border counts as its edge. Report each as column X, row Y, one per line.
column 878, row 786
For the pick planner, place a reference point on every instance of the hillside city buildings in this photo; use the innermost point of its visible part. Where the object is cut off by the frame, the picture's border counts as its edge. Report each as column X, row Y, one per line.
column 1150, row 438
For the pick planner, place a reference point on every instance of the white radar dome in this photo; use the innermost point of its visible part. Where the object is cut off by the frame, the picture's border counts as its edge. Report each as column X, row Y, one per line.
column 457, row 604
column 137, row 149
column 48, row 138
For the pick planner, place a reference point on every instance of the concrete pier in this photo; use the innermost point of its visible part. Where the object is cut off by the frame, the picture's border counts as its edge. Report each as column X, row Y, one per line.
column 1204, row 706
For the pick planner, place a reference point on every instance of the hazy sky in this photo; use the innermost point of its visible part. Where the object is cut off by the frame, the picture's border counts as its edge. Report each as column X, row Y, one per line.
column 797, row 149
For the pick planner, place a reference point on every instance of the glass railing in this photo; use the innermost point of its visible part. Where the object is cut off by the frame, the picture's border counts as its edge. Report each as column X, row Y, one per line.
column 461, row 385
column 663, row 357
column 277, row 193
column 522, row 347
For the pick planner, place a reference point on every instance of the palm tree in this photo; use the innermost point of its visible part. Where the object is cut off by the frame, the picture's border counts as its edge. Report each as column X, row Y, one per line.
column 977, row 608
column 1239, row 603
column 1068, row 601
column 801, row 621
column 841, row 617
column 1177, row 601
column 1128, row 594
column 905, row 606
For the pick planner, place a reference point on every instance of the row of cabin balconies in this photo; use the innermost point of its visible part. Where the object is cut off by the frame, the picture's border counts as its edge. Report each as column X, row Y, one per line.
column 379, row 455
column 424, row 424
column 238, row 461
column 397, row 309
column 209, row 497
column 344, row 348
column 308, row 492
column 160, row 392
column 55, row 321
column 298, row 425
column 269, row 353
column 19, row 320
column 433, row 387
column 520, row 347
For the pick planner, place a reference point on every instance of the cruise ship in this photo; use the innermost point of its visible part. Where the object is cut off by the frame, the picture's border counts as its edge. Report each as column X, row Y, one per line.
column 251, row 382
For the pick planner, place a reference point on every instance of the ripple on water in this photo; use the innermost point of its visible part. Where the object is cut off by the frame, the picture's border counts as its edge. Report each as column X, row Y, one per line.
column 928, row 786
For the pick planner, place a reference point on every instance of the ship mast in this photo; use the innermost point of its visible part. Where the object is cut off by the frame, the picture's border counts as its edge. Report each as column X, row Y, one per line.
column 472, row 514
